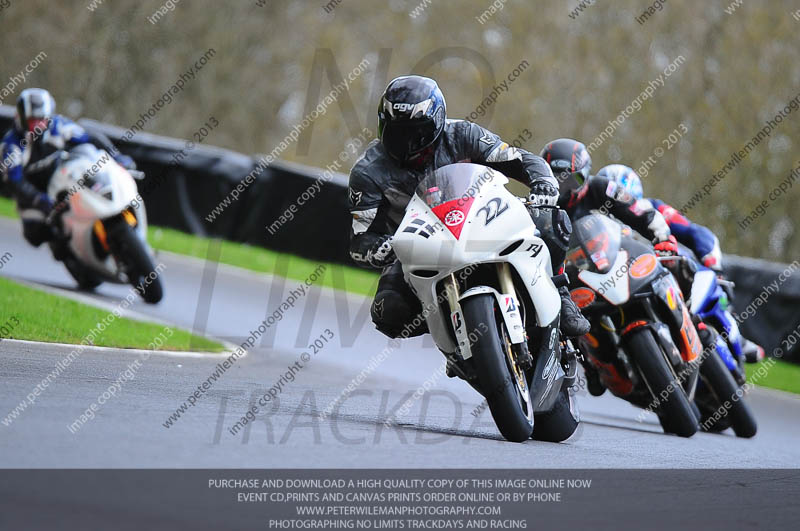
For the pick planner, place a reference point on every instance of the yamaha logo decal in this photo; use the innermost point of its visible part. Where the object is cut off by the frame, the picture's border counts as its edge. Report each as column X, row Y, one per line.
column 454, row 217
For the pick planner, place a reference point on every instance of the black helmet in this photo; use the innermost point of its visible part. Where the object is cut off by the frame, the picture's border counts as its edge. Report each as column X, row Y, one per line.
column 35, row 108
column 411, row 118
column 569, row 161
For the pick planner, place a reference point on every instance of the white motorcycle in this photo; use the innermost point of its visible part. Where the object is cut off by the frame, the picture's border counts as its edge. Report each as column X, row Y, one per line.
column 471, row 253
column 102, row 223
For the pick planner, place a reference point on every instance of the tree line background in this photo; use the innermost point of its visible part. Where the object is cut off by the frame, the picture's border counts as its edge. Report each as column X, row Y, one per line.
column 111, row 64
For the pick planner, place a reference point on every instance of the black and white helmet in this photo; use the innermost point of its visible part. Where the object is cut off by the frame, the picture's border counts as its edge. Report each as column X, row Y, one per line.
column 35, row 108
column 411, row 118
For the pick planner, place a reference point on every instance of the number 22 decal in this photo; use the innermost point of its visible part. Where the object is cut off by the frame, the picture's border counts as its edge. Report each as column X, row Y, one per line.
column 494, row 207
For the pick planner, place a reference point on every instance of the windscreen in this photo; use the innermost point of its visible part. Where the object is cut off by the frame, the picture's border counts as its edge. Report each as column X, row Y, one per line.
column 594, row 243
column 455, row 181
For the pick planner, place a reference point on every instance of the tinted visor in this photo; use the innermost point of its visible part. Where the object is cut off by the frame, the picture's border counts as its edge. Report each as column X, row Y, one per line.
column 568, row 179
column 403, row 139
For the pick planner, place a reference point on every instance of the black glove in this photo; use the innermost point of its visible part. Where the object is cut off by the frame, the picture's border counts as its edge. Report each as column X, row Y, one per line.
column 543, row 194
column 382, row 253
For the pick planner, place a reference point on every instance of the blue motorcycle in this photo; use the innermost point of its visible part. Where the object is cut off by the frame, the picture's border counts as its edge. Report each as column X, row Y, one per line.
column 709, row 302
column 722, row 375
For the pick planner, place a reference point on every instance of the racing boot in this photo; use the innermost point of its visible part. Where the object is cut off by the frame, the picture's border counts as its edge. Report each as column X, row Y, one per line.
column 573, row 323
column 463, row 369
column 593, row 383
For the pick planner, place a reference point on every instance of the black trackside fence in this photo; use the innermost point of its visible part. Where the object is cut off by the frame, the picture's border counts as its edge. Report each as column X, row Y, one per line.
column 219, row 193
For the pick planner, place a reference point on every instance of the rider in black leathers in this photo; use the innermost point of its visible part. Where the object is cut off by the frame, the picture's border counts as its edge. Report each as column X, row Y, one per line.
column 414, row 139
column 580, row 195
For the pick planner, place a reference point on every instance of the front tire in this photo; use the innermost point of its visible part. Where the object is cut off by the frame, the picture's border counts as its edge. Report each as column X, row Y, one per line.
column 132, row 252
column 674, row 412
column 718, row 379
column 494, row 374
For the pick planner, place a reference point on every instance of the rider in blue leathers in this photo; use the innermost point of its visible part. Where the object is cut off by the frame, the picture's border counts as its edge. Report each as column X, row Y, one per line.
column 699, row 239
column 30, row 152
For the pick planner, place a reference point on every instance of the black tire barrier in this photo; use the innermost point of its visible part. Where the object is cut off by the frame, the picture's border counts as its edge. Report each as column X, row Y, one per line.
column 184, row 185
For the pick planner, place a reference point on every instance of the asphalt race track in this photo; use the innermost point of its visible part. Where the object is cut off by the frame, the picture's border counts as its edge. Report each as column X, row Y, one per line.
column 438, row 430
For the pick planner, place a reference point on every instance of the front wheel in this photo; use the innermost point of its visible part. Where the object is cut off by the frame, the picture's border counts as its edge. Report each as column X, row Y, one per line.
column 730, row 409
column 673, row 409
column 506, row 392
column 133, row 254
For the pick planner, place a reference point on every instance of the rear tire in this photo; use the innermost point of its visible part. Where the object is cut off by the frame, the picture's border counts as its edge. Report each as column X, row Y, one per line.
column 559, row 423
column 674, row 412
column 495, row 378
column 128, row 248
column 718, row 379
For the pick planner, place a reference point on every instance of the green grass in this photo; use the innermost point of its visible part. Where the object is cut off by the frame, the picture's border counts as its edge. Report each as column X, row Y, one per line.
column 250, row 257
column 263, row 260
column 28, row 313
column 782, row 375
column 7, row 208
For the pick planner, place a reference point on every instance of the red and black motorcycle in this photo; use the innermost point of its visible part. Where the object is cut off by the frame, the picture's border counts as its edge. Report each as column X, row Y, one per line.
column 643, row 343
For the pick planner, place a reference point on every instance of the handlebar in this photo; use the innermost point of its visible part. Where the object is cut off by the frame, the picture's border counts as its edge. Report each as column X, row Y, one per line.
column 669, row 258
column 528, row 203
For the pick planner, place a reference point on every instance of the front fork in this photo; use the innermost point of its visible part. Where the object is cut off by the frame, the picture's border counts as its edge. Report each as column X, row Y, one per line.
column 506, row 284
column 521, row 352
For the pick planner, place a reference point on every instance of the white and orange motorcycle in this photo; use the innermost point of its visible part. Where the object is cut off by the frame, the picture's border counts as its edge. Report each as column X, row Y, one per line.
column 102, row 222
